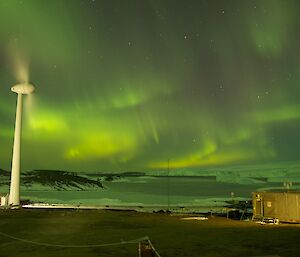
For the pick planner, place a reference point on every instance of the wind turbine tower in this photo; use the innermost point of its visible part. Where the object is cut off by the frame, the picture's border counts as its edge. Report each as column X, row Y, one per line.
column 14, row 194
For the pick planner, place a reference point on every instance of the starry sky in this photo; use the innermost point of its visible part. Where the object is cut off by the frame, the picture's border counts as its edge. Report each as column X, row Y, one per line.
column 127, row 85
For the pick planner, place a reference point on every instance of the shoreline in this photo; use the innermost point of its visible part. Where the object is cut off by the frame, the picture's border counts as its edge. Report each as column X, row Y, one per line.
column 146, row 208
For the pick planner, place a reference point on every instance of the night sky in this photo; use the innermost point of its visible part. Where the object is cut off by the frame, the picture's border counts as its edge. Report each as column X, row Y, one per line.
column 127, row 85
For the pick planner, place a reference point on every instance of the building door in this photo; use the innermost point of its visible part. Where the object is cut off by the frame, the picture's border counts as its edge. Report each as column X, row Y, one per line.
column 258, row 207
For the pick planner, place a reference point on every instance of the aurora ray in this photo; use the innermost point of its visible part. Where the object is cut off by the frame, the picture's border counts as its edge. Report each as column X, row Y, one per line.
column 127, row 85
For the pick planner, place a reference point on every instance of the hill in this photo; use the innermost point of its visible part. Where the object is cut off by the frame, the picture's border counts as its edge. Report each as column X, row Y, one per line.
column 52, row 179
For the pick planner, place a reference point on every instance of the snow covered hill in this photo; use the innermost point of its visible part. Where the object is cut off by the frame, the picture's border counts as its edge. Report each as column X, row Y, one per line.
column 51, row 180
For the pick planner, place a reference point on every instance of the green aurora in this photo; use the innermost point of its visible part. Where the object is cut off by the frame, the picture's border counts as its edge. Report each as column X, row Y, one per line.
column 127, row 85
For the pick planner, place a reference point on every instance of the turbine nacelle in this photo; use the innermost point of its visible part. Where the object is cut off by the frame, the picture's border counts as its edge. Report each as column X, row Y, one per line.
column 23, row 88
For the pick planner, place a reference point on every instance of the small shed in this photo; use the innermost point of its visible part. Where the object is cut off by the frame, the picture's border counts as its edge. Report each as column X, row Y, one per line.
column 284, row 206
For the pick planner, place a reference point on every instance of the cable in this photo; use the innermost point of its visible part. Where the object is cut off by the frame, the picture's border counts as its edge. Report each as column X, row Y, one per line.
column 74, row 246
column 133, row 241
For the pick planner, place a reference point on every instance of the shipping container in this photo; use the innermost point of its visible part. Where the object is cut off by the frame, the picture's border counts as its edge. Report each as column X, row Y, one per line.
column 280, row 206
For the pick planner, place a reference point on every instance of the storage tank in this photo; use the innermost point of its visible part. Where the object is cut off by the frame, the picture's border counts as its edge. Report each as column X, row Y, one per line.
column 4, row 200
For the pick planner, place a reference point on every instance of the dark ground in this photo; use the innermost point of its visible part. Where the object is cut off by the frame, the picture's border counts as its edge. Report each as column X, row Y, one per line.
column 171, row 236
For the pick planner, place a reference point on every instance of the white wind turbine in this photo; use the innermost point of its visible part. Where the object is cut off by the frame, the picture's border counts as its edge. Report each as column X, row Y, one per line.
column 14, row 194
column 23, row 88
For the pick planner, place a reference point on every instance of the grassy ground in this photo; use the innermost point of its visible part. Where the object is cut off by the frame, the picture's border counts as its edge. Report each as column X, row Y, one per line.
column 171, row 236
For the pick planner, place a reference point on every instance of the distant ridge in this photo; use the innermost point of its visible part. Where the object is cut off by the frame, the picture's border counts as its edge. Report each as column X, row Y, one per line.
column 56, row 179
column 125, row 173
